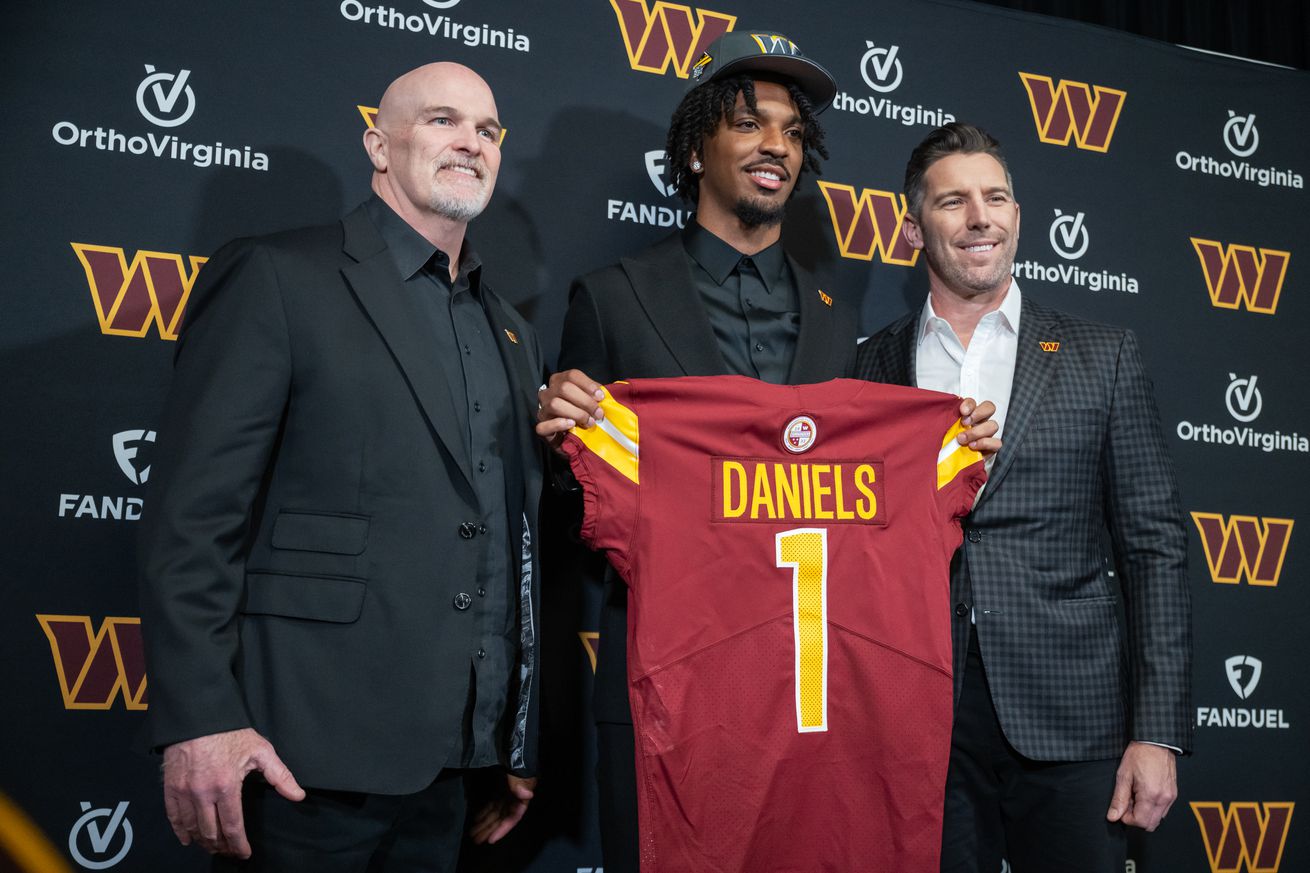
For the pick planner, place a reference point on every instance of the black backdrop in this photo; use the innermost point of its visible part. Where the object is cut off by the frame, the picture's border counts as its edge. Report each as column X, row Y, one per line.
column 1178, row 216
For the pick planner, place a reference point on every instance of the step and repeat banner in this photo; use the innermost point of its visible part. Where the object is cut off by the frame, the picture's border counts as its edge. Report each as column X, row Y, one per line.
column 1161, row 189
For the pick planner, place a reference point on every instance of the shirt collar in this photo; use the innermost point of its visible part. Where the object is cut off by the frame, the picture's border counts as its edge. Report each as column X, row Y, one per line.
column 719, row 259
column 409, row 250
column 1007, row 313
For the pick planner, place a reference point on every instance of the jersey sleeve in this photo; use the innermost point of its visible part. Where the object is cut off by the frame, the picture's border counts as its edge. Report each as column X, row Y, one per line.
column 605, row 461
column 961, row 471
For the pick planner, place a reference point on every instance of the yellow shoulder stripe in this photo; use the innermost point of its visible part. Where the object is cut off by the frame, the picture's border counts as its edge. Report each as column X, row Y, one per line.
column 614, row 438
column 954, row 457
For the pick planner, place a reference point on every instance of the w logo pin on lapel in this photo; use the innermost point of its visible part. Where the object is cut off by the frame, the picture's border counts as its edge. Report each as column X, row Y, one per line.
column 513, row 337
column 1049, row 346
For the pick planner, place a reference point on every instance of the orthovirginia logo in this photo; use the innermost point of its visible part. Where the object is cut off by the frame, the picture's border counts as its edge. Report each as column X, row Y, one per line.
column 1243, row 673
column 1243, row 837
column 1245, row 403
column 1241, row 137
column 165, row 99
column 1067, row 110
column 882, row 72
column 658, row 215
column 422, row 21
column 662, row 34
column 95, row 667
column 1241, row 276
column 1244, row 546
column 867, row 222
column 1070, row 239
column 129, row 445
column 97, row 851
column 150, row 292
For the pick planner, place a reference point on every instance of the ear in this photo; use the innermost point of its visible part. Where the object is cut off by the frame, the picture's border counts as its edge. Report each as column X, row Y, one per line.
column 913, row 232
column 375, row 144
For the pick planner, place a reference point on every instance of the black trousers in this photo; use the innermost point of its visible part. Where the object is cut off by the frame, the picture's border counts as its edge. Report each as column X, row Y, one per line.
column 351, row 832
column 1041, row 816
column 616, row 775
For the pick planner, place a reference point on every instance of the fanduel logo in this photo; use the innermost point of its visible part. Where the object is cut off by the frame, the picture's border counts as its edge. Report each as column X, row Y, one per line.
column 1239, row 276
column 661, row 35
column 1243, row 672
column 130, row 299
column 1070, row 239
column 656, row 163
column 1243, row 837
column 1244, row 545
column 105, row 845
column 881, row 70
column 165, row 100
column 1064, row 111
column 160, row 97
column 95, row 667
column 1244, row 403
column 1241, row 138
column 443, row 26
column 868, row 222
column 127, row 449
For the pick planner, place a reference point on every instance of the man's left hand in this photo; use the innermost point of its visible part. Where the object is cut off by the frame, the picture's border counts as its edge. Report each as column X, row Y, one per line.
column 500, row 815
column 1145, row 786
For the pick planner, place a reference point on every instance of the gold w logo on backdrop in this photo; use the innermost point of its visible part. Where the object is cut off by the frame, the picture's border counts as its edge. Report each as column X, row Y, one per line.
column 867, row 222
column 130, row 298
column 1067, row 110
column 664, row 34
column 95, row 666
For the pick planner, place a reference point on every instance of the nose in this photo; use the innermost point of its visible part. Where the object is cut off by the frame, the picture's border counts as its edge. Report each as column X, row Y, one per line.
column 774, row 141
column 467, row 139
column 978, row 216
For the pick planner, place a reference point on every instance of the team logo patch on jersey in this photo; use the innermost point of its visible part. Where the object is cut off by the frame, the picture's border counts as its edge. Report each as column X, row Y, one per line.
column 799, row 434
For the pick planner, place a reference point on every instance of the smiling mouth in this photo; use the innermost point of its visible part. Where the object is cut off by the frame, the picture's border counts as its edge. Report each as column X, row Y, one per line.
column 770, row 178
column 979, row 248
column 471, row 172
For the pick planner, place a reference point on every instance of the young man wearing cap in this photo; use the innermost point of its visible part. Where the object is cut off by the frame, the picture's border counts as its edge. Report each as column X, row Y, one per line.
column 718, row 297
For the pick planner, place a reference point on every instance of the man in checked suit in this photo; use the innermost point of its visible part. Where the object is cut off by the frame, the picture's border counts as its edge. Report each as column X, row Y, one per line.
column 719, row 297
column 1068, row 718
column 339, row 577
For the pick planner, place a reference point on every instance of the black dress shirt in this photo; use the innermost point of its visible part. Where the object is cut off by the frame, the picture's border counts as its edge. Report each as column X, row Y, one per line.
column 480, row 395
column 751, row 301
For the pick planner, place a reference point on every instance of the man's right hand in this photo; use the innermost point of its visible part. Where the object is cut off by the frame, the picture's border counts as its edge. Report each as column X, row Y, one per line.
column 570, row 398
column 202, row 787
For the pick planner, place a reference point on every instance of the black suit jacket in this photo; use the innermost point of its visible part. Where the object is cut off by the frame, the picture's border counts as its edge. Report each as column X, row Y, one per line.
column 1083, row 487
column 312, row 526
column 643, row 318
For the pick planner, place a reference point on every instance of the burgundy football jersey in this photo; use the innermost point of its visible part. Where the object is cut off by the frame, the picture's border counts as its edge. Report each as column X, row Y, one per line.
column 787, row 551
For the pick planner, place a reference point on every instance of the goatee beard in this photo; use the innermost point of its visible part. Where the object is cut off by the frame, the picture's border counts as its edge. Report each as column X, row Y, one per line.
column 758, row 213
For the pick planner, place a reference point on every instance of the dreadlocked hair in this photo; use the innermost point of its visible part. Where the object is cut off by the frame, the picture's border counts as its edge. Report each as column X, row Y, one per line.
column 704, row 107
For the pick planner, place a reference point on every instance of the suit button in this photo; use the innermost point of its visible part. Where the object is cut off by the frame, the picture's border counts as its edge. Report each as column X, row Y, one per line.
column 975, row 535
column 482, row 592
column 463, row 601
column 482, row 653
column 467, row 530
column 482, row 528
column 482, row 466
column 961, row 609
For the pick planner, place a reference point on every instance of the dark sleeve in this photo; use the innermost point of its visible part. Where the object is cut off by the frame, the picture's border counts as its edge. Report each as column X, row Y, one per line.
column 1150, row 543
column 583, row 344
column 231, row 380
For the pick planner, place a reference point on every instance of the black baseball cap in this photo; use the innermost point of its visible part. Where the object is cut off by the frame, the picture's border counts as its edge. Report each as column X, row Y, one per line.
column 764, row 51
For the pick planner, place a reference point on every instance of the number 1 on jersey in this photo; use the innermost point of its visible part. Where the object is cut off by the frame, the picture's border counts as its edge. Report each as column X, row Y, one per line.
column 805, row 551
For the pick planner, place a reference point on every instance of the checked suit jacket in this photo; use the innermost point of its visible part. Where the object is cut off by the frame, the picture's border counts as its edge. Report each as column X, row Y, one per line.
column 312, row 534
column 643, row 318
column 1074, row 558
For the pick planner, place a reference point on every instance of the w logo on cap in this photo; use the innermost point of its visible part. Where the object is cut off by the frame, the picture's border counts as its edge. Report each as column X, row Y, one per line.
column 667, row 33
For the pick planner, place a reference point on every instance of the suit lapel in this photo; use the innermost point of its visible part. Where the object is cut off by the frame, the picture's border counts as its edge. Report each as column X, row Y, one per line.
column 379, row 290
column 895, row 360
column 813, row 345
column 1033, row 369
column 662, row 284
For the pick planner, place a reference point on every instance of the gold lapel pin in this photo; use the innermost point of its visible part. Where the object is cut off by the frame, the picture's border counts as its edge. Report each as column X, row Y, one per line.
column 1048, row 346
column 824, row 297
column 513, row 337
